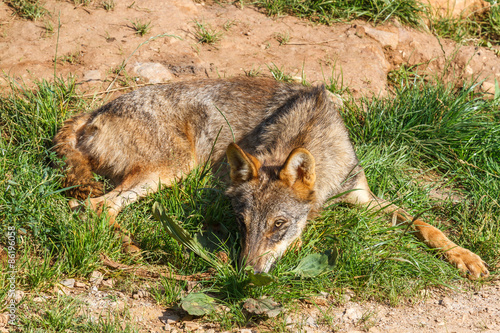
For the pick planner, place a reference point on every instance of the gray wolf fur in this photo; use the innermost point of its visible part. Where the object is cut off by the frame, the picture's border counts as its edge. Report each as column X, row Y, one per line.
column 291, row 153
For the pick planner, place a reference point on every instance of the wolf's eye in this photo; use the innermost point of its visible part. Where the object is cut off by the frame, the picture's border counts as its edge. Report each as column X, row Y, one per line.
column 279, row 222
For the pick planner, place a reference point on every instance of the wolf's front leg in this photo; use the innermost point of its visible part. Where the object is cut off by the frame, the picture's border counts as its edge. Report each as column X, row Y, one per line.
column 469, row 263
column 466, row 261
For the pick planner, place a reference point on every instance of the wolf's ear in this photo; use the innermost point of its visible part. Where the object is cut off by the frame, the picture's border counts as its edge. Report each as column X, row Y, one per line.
column 298, row 170
column 244, row 167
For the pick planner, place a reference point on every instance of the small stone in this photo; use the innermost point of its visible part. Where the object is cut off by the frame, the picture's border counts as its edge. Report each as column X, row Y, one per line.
column 108, row 283
column 70, row 283
column 62, row 290
column 374, row 330
column 488, row 87
column 39, row 299
column 93, row 75
column 96, row 278
column 167, row 327
column 79, row 284
column 245, row 330
column 386, row 38
column 170, row 318
column 153, row 72
column 191, row 325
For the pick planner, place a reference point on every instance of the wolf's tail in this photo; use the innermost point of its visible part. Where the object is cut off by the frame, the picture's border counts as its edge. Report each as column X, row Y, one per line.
column 78, row 172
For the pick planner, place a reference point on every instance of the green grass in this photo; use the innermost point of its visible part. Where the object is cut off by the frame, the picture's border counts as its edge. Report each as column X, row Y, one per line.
column 378, row 11
column 141, row 28
column 422, row 138
column 479, row 28
column 204, row 34
column 476, row 28
column 28, row 9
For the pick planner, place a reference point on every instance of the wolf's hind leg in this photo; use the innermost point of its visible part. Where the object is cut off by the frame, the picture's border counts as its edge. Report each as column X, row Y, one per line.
column 132, row 188
column 465, row 260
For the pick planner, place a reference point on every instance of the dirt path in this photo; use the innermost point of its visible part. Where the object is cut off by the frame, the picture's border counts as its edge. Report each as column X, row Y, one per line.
column 93, row 43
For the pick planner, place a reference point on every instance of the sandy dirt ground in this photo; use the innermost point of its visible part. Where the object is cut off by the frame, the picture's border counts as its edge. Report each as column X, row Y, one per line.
column 93, row 43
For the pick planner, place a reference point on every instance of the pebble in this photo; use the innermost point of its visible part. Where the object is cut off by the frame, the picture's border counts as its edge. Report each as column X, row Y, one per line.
column 108, row 283
column 79, row 284
column 191, row 325
column 96, row 278
column 70, row 283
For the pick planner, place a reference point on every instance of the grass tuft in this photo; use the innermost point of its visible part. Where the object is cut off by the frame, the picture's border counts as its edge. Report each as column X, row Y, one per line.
column 378, row 11
column 28, row 9
column 141, row 28
column 205, row 34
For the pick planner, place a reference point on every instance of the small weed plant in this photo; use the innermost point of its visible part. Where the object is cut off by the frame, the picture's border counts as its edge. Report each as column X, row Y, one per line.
column 205, row 34
column 141, row 28
column 28, row 9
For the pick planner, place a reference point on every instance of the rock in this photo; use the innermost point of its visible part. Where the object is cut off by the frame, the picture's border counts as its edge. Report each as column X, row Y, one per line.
column 245, row 330
column 79, row 284
column 96, row 278
column 93, row 75
column 488, row 87
column 170, row 318
column 167, row 327
column 39, row 299
column 191, row 326
column 374, row 330
column 108, row 283
column 62, row 290
column 70, row 283
column 153, row 72
column 386, row 38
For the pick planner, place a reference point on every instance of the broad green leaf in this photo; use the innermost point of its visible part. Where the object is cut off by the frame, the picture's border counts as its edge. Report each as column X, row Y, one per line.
column 259, row 279
column 316, row 263
column 263, row 306
column 197, row 304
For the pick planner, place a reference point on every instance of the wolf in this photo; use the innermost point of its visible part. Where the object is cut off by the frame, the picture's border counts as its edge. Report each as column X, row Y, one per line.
column 285, row 147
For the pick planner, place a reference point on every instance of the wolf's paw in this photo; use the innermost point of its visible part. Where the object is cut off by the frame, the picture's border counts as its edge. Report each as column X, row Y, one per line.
column 469, row 263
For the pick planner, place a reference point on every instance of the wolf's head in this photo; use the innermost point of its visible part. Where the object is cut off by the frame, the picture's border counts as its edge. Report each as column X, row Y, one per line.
column 272, row 203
